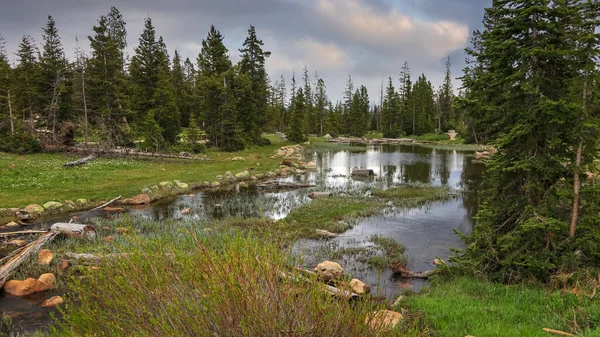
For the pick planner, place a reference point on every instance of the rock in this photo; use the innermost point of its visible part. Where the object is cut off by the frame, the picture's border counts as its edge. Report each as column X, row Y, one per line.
column 165, row 184
column 215, row 184
column 30, row 285
column 34, row 209
column 229, row 177
column 23, row 215
column 218, row 206
column 326, row 234
column 81, row 201
column 11, row 224
column 45, row 256
column 141, row 199
column 63, row 266
column 114, row 209
column 53, row 302
column 109, row 238
column 122, row 230
column 327, row 136
column 18, row 243
column 70, row 204
column 186, row 211
column 238, row 159
column 437, row 262
column 383, row 319
column 358, row 287
column 181, row 185
column 329, row 271
column 253, row 178
column 244, row 175
column 52, row 205
column 147, row 191
column 307, row 143
column 185, row 154
column 219, row 178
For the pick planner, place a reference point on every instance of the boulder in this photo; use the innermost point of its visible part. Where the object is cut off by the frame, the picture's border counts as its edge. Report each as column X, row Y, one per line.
column 244, row 175
column 181, row 185
column 326, row 234
column 359, row 287
column 327, row 136
column 34, row 209
column 18, row 243
column 329, row 271
column 383, row 319
column 23, row 215
column 229, row 177
column 70, row 204
column 45, row 256
column 52, row 205
column 53, row 302
column 215, row 184
column 165, row 184
column 11, row 224
column 253, row 178
column 238, row 159
column 30, row 285
column 81, row 201
column 141, row 199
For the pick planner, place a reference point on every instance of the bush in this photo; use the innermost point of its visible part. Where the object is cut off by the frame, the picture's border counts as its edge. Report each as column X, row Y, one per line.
column 20, row 142
column 434, row 137
column 223, row 285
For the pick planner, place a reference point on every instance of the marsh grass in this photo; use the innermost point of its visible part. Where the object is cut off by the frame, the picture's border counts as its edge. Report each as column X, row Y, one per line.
column 393, row 252
column 213, row 284
column 413, row 195
column 467, row 306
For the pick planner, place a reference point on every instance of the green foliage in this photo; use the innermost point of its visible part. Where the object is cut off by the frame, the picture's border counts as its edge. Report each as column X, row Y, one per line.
column 296, row 131
column 21, row 142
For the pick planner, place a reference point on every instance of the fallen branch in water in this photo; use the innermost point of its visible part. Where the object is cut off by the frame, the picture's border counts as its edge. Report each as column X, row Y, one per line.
column 14, row 262
column 81, row 161
column 108, row 203
column 557, row 332
column 400, row 269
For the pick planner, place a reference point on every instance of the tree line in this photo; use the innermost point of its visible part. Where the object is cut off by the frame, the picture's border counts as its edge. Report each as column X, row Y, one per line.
column 163, row 99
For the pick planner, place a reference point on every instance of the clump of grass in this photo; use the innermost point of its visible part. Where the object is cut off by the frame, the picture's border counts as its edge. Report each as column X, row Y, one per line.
column 467, row 306
column 210, row 284
column 393, row 252
column 335, row 214
column 411, row 195
column 6, row 325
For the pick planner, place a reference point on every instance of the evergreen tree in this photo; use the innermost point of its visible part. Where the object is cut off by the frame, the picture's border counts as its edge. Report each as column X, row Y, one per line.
column 348, row 96
column 281, row 96
column 321, row 102
column 446, row 118
column 405, row 114
column 7, row 115
column 296, row 131
column 423, row 105
column 310, row 121
column 79, row 88
column 213, row 60
column 390, row 112
column 27, row 78
column 252, row 65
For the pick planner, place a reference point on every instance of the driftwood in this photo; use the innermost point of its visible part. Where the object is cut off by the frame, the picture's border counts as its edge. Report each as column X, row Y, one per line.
column 363, row 173
column 81, row 161
column 106, row 204
column 21, row 233
column 557, row 332
column 400, row 269
column 75, row 230
column 14, row 262
column 275, row 184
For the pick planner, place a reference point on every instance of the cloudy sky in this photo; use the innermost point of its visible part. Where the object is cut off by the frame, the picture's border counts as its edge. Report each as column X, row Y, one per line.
column 367, row 39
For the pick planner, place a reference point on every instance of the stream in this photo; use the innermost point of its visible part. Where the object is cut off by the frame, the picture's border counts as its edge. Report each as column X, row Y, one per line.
column 427, row 232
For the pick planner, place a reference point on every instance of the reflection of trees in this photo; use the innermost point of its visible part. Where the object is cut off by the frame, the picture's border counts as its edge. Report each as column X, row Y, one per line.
column 444, row 167
column 418, row 172
column 389, row 172
column 471, row 178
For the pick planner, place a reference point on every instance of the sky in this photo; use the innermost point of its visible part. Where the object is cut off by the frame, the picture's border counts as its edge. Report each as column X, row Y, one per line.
column 365, row 39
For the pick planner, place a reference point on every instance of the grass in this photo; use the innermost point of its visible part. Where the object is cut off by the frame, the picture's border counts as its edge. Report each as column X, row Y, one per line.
column 393, row 252
column 225, row 284
column 40, row 178
column 413, row 195
column 465, row 306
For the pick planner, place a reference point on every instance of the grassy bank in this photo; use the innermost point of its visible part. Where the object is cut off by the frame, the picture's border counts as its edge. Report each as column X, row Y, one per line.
column 463, row 306
column 40, row 178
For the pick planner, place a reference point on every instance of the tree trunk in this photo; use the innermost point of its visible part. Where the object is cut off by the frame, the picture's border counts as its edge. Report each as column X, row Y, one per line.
column 12, row 264
column 85, row 112
column 10, row 115
column 74, row 230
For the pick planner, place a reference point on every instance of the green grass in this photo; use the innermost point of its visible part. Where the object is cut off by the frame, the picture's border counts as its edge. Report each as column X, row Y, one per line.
column 393, row 252
column 40, row 178
column 464, row 306
column 413, row 195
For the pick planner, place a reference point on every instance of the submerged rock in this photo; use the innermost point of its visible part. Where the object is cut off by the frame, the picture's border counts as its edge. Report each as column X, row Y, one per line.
column 329, row 271
column 30, row 285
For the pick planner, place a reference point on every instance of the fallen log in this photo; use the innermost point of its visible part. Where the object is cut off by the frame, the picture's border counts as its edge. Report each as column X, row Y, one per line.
column 75, row 230
column 363, row 173
column 14, row 262
column 81, row 161
column 106, row 204
column 404, row 272
column 275, row 184
column 21, row 233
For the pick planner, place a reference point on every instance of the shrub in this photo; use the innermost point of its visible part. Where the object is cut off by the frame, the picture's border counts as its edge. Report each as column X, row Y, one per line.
column 20, row 142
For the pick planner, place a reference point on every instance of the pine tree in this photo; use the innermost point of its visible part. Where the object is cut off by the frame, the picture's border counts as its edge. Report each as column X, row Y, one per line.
column 446, row 119
column 6, row 90
column 213, row 60
column 310, row 121
column 79, row 88
column 348, row 96
column 281, row 96
column 321, row 105
column 27, row 78
column 390, row 112
column 181, row 89
column 296, row 131
column 252, row 65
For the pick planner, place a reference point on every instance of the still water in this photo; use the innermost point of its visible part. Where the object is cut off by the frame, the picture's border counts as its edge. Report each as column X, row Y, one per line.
column 427, row 232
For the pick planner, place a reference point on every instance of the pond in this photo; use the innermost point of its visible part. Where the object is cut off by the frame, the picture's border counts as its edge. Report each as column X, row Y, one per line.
column 427, row 232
